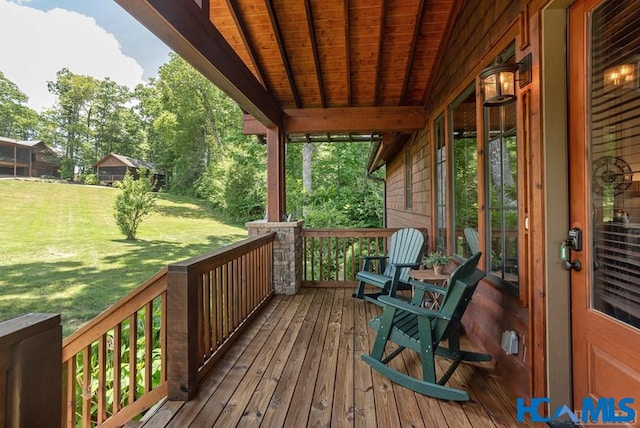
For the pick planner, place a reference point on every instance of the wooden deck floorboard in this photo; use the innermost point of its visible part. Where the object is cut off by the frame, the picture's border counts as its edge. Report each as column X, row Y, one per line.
column 299, row 364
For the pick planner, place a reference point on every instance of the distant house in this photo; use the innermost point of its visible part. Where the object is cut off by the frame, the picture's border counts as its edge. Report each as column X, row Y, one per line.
column 113, row 167
column 28, row 159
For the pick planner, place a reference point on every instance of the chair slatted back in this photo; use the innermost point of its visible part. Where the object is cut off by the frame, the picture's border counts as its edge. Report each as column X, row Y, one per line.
column 462, row 284
column 405, row 246
column 471, row 235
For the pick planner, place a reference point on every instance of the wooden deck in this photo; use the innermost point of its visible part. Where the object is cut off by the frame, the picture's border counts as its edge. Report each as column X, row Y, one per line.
column 299, row 365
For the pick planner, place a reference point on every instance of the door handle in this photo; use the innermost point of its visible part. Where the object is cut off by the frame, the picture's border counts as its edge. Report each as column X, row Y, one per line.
column 575, row 265
column 565, row 255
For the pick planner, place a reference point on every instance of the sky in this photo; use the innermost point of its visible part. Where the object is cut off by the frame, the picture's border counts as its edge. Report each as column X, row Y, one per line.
column 90, row 37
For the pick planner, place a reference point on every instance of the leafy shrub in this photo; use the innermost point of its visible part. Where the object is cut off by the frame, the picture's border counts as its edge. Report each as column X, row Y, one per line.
column 91, row 179
column 135, row 201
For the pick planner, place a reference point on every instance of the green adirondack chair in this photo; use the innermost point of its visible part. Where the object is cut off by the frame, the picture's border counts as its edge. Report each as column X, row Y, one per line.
column 409, row 325
column 471, row 235
column 406, row 248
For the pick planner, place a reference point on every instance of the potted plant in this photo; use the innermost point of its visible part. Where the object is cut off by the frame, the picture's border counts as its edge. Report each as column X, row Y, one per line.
column 437, row 260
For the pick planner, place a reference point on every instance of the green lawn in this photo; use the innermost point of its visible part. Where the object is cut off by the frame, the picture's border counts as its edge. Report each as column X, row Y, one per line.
column 61, row 251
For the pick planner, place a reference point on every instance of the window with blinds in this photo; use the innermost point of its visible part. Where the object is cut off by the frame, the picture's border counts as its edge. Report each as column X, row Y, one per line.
column 614, row 134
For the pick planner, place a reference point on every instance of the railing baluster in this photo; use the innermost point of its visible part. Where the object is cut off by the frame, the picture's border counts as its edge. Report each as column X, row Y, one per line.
column 133, row 339
column 225, row 300
column 117, row 367
column 219, row 331
column 202, row 350
column 71, row 385
column 102, row 376
column 163, row 339
column 242, row 287
column 86, row 386
column 148, row 346
column 206, row 308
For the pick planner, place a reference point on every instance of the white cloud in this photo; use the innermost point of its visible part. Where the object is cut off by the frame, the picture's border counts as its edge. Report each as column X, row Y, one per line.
column 35, row 45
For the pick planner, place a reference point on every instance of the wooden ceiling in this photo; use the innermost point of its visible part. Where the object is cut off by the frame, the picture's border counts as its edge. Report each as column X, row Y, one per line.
column 359, row 69
column 336, row 53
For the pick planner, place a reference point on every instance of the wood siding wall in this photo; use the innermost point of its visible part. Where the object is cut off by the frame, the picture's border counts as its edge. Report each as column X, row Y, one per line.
column 481, row 30
column 420, row 213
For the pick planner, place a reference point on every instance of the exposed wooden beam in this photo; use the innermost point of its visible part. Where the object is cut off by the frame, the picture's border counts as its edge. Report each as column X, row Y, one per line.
column 348, row 119
column 414, row 42
column 182, row 26
column 378, row 161
column 383, row 16
column 314, row 48
column 283, row 52
column 248, row 44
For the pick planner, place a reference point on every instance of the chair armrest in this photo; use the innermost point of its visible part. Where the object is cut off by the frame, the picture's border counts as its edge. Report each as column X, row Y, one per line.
column 367, row 262
column 404, row 265
column 373, row 257
column 427, row 286
column 413, row 309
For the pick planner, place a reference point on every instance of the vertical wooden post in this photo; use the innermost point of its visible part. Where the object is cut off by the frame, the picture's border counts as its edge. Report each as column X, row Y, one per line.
column 182, row 333
column 276, row 195
column 31, row 371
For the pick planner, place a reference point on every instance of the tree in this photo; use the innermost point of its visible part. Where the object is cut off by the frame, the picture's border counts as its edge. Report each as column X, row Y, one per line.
column 342, row 195
column 72, row 111
column 135, row 201
column 16, row 119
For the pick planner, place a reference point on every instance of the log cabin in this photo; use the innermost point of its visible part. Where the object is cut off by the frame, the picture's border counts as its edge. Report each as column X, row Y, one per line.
column 113, row 167
column 512, row 125
column 28, row 159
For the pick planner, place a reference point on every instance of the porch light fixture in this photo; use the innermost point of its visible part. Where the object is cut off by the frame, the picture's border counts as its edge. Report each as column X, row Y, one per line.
column 498, row 81
column 622, row 76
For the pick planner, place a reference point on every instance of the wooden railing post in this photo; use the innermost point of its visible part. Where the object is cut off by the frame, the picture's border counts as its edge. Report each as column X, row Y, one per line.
column 182, row 333
column 30, row 371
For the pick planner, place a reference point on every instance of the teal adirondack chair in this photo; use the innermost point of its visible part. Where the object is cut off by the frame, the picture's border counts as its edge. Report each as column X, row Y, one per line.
column 409, row 325
column 471, row 235
column 406, row 248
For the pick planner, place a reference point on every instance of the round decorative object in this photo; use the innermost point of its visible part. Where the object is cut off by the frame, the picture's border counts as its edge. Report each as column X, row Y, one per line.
column 611, row 172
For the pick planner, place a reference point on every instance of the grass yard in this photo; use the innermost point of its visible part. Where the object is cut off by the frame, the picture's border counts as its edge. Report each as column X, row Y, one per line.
column 61, row 251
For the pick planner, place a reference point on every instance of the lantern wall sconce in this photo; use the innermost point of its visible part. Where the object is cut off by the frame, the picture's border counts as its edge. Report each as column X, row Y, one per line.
column 622, row 76
column 498, row 81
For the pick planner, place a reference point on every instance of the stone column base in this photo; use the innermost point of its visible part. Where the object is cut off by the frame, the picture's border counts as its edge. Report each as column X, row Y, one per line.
column 287, row 252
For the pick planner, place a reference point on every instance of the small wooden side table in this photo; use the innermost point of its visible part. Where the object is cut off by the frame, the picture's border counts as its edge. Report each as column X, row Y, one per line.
column 428, row 275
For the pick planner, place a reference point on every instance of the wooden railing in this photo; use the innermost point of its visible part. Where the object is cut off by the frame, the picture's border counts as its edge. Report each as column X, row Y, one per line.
column 331, row 257
column 115, row 367
column 213, row 297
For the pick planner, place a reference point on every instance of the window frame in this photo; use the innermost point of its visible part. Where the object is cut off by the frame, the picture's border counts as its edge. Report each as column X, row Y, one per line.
column 408, row 179
column 466, row 93
column 440, row 182
column 488, row 233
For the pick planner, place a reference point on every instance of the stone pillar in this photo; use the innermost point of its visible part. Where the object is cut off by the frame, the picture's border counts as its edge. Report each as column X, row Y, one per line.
column 287, row 252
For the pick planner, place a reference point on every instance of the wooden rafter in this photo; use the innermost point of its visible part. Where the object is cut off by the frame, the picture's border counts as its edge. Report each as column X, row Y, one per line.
column 383, row 16
column 412, row 49
column 352, row 119
column 455, row 9
column 283, row 52
column 314, row 47
column 248, row 44
column 183, row 27
column 347, row 53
